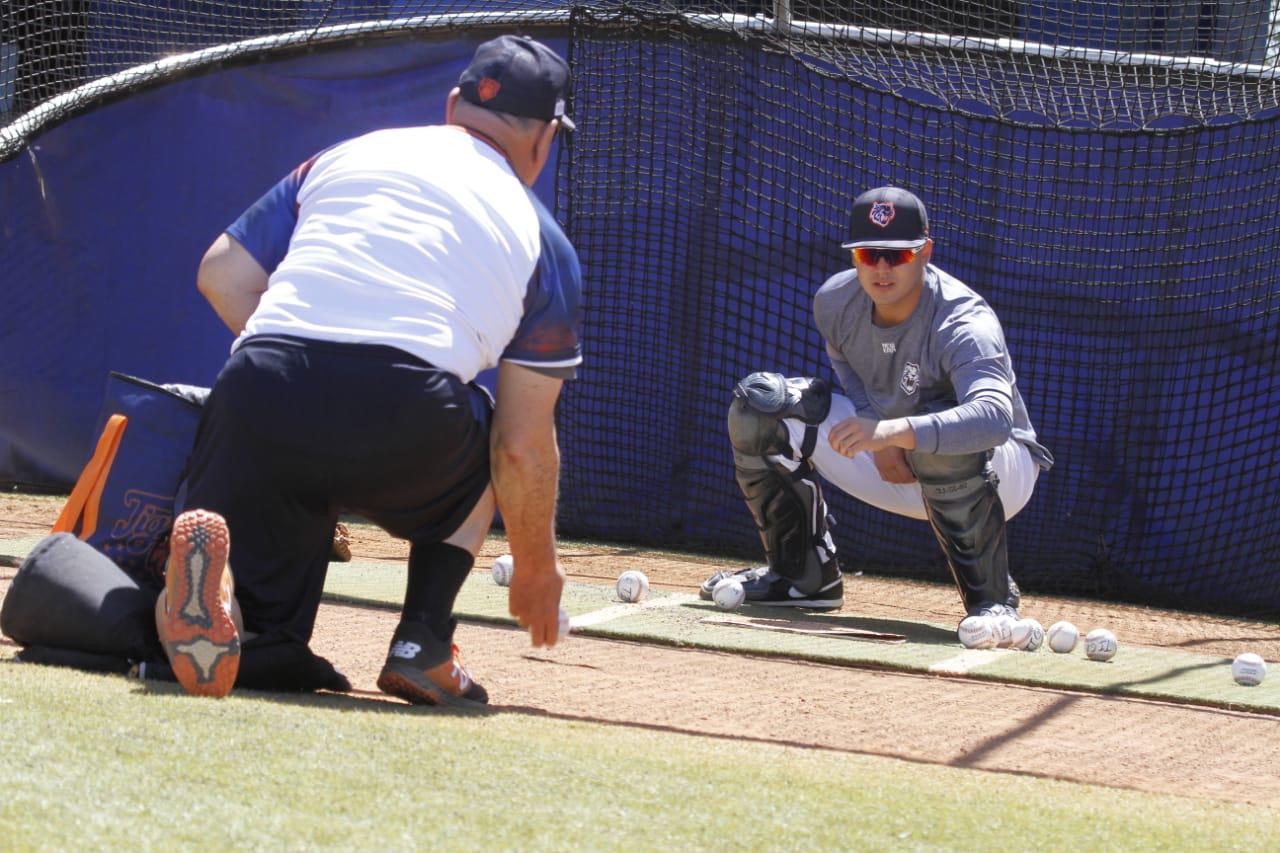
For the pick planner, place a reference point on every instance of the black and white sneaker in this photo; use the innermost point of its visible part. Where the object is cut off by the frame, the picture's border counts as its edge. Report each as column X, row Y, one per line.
column 769, row 589
column 744, row 576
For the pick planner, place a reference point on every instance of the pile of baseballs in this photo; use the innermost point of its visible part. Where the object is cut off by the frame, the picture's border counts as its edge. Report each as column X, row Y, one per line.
column 1027, row 635
column 1001, row 632
column 632, row 586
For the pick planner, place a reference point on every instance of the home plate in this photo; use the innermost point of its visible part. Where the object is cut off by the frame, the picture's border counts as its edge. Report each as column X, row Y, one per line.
column 784, row 626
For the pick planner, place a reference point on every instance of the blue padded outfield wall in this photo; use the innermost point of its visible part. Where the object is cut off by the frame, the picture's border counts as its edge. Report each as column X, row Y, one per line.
column 706, row 190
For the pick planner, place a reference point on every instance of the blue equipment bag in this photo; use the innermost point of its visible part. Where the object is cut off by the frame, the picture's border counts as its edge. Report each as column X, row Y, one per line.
column 123, row 502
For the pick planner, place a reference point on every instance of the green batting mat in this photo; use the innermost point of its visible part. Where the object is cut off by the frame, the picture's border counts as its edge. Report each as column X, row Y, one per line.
column 681, row 619
column 844, row 638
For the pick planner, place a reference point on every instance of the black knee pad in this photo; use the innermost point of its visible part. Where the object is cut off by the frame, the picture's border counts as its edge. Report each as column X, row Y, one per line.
column 762, row 400
column 786, row 503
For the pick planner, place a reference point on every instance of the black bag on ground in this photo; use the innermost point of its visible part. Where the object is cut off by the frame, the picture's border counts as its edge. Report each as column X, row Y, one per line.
column 69, row 595
column 50, row 656
column 69, row 605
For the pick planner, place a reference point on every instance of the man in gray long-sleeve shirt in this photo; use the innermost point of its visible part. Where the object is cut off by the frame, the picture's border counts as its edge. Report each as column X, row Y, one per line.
column 932, row 427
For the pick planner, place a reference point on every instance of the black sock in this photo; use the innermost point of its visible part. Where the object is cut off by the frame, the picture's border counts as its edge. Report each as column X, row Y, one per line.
column 436, row 574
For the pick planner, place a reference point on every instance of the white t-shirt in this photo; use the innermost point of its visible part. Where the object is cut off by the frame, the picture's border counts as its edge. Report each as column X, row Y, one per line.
column 419, row 238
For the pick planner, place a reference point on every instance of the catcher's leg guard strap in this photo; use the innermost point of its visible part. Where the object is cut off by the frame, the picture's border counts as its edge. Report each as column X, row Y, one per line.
column 964, row 509
column 777, row 480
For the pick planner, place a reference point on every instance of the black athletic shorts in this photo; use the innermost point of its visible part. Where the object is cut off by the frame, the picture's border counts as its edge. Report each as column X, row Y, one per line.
column 297, row 431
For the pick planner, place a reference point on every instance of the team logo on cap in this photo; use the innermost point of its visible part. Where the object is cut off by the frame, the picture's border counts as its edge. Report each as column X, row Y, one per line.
column 882, row 213
column 487, row 89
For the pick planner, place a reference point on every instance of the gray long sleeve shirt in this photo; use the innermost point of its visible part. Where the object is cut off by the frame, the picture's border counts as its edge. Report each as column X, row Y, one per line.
column 945, row 368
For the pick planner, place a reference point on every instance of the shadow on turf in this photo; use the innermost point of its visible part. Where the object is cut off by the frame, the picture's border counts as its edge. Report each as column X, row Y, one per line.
column 356, row 700
column 915, row 632
column 975, row 756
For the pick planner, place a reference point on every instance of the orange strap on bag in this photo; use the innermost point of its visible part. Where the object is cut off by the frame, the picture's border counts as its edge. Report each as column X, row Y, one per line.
column 82, row 506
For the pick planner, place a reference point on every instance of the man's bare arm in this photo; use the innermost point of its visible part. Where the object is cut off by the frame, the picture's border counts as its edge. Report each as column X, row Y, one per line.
column 232, row 281
column 526, row 472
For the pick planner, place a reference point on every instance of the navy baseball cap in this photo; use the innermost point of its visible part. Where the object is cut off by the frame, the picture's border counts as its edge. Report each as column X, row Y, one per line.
column 519, row 76
column 887, row 218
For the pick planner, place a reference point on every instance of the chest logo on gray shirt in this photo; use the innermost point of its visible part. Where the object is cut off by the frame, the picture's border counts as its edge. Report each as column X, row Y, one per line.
column 910, row 381
column 888, row 347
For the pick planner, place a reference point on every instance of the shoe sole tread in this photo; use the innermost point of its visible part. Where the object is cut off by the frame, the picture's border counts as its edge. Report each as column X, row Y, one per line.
column 198, row 634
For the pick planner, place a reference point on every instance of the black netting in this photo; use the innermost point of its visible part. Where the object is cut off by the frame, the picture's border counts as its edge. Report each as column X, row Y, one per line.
column 1133, row 270
column 1123, row 64
column 1103, row 172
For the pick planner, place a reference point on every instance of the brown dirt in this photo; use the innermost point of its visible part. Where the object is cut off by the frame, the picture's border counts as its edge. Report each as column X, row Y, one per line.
column 1124, row 743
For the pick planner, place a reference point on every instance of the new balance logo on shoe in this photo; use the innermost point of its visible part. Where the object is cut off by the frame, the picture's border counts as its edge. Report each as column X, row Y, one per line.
column 447, row 682
column 405, row 649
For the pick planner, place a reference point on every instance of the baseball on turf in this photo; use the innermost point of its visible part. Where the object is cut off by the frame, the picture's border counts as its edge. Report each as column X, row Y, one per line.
column 565, row 625
column 632, row 586
column 977, row 632
column 1028, row 635
column 728, row 594
column 1100, row 644
column 503, row 568
column 1062, row 637
column 1248, row 669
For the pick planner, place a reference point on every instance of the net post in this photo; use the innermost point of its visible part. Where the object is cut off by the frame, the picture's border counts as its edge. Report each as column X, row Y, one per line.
column 782, row 14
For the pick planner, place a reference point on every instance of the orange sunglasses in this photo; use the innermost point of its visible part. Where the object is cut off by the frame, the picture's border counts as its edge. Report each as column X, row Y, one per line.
column 871, row 256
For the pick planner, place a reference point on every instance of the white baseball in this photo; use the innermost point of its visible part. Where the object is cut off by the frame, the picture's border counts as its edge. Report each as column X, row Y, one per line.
column 1100, row 644
column 728, row 594
column 976, row 632
column 503, row 568
column 1062, row 637
column 1028, row 635
column 632, row 585
column 565, row 625
column 1248, row 669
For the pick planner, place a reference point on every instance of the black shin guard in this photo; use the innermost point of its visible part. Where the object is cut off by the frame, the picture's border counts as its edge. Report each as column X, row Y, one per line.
column 791, row 516
column 786, row 502
column 964, row 509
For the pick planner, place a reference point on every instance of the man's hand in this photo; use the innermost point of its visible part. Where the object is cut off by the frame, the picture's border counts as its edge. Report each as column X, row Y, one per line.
column 853, row 435
column 525, row 461
column 534, row 600
column 892, row 465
